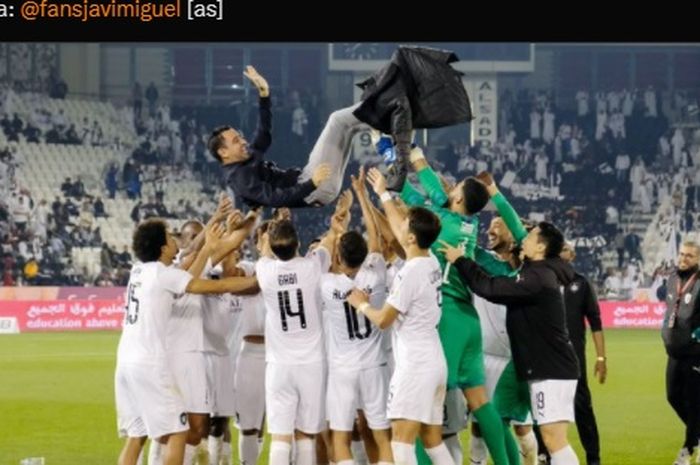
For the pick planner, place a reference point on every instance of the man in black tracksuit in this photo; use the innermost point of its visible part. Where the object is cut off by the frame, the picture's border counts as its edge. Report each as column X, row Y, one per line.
column 582, row 305
column 536, row 324
column 254, row 180
column 681, row 336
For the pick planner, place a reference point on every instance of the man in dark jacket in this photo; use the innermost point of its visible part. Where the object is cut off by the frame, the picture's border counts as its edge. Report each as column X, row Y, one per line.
column 417, row 89
column 681, row 336
column 581, row 306
column 257, row 181
column 536, row 324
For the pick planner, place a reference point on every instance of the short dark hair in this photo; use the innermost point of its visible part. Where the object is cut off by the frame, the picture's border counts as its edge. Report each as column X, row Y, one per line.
column 552, row 238
column 425, row 225
column 284, row 241
column 216, row 141
column 352, row 249
column 150, row 236
column 475, row 195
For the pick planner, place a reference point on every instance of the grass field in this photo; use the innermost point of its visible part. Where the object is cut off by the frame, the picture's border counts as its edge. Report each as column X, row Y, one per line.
column 57, row 400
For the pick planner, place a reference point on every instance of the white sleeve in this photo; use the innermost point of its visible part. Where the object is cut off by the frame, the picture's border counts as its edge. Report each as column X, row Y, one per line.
column 247, row 267
column 376, row 262
column 402, row 292
column 175, row 280
column 260, row 268
column 322, row 257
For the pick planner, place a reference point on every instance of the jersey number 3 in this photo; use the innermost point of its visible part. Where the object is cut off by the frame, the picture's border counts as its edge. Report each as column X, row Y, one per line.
column 285, row 304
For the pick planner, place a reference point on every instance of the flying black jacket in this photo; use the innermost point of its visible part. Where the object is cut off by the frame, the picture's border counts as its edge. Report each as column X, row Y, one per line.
column 417, row 89
column 535, row 318
column 259, row 182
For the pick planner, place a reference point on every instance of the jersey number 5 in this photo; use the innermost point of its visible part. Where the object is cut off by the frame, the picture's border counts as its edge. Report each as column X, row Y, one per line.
column 286, row 308
column 132, row 307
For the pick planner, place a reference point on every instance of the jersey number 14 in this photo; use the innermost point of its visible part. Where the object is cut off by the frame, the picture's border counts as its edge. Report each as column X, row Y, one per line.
column 285, row 305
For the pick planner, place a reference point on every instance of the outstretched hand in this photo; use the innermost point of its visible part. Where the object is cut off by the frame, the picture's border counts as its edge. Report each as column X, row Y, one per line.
column 258, row 81
column 377, row 181
column 451, row 253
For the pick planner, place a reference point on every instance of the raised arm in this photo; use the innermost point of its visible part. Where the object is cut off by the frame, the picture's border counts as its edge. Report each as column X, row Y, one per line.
column 429, row 179
column 374, row 243
column 386, row 233
column 263, row 133
column 339, row 222
column 393, row 214
column 505, row 209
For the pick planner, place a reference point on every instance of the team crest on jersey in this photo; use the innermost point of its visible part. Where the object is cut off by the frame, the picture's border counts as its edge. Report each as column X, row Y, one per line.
column 183, row 418
column 467, row 228
column 688, row 298
column 574, row 287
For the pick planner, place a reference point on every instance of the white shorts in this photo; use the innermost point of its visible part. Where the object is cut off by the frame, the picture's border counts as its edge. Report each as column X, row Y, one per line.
column 250, row 386
column 148, row 402
column 220, row 376
column 417, row 396
column 455, row 417
column 190, row 371
column 349, row 391
column 552, row 400
column 294, row 397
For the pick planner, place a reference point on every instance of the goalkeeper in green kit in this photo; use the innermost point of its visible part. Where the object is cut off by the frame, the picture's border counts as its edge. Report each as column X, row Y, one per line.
column 459, row 328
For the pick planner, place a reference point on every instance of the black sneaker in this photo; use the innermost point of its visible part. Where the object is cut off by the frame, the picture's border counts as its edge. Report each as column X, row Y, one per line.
column 396, row 174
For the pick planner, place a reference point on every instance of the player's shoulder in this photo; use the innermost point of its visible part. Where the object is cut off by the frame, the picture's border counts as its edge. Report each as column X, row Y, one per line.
column 374, row 261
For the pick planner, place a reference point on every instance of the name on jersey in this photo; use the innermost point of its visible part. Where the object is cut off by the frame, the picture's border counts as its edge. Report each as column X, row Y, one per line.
column 287, row 279
column 340, row 295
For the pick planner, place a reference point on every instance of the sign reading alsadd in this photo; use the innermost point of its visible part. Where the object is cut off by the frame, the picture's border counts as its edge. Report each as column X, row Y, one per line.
column 485, row 102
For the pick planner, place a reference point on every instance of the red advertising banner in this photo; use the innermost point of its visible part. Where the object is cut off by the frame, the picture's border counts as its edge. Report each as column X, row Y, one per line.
column 89, row 309
column 62, row 315
column 632, row 314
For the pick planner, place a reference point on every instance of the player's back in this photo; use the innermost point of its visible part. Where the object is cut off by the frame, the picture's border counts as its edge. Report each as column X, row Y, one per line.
column 416, row 294
column 291, row 293
column 353, row 341
column 151, row 292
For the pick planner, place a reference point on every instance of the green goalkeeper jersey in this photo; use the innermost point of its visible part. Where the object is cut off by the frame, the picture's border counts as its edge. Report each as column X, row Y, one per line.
column 460, row 229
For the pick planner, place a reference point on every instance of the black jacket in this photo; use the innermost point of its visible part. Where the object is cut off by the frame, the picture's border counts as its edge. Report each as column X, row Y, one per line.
column 581, row 305
column 417, row 89
column 686, row 306
column 259, row 182
column 535, row 318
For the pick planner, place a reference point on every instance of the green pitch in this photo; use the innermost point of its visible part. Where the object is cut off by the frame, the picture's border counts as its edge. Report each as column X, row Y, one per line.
column 57, row 400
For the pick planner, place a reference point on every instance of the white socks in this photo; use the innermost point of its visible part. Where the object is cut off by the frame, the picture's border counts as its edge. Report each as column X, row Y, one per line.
column 225, row 457
column 565, row 456
column 214, row 448
column 280, row 452
column 190, row 454
column 306, row 452
column 155, row 456
column 139, row 461
column 359, row 454
column 528, row 448
column 455, row 447
column 477, row 450
column 346, row 462
column 404, row 454
column 248, row 448
column 440, row 455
